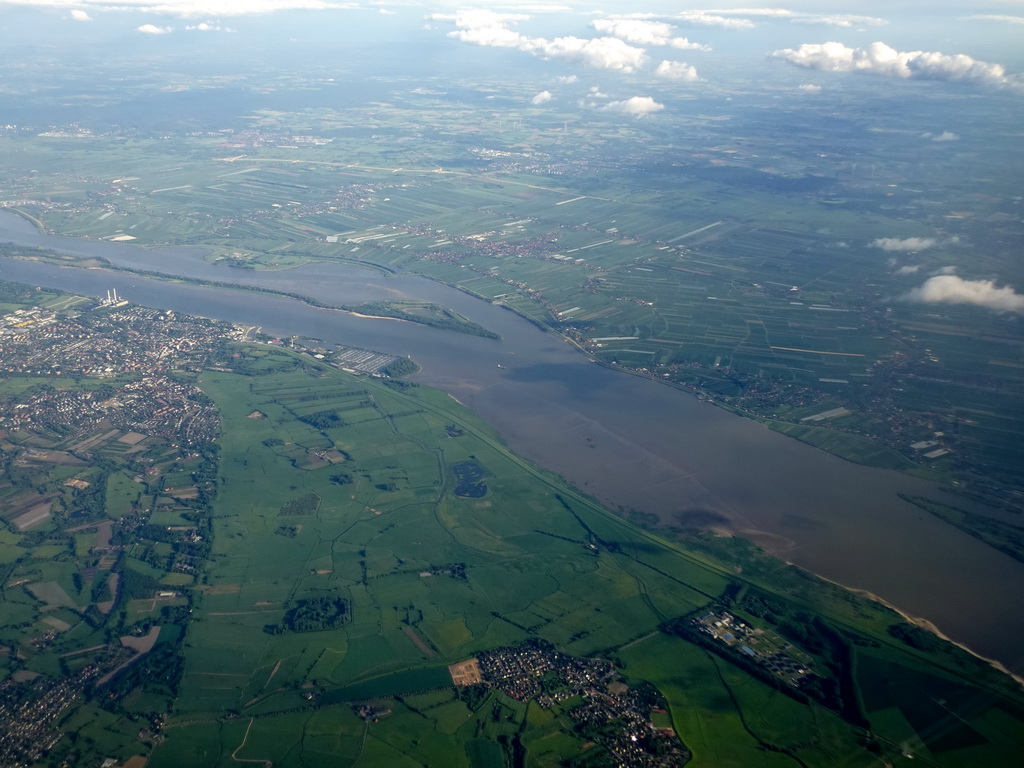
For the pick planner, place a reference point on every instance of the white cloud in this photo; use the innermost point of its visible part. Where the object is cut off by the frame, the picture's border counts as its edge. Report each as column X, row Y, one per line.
column 598, row 52
column 951, row 289
column 881, row 59
column 846, row 21
column 541, row 8
column 491, row 37
column 387, row 12
column 474, row 18
column 489, row 28
column 483, row 27
column 152, row 29
column 677, row 70
column 206, row 26
column 684, row 44
column 908, row 269
column 567, row 79
column 997, row 17
column 187, row 9
column 809, row 88
column 542, row 97
column 79, row 15
column 944, row 136
column 637, row 106
column 735, row 18
column 645, row 33
column 906, row 244
column 756, row 12
column 705, row 19
column 635, row 30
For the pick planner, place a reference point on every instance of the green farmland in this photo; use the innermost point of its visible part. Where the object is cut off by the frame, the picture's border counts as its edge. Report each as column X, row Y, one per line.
column 284, row 564
column 219, row 550
column 383, row 535
column 770, row 299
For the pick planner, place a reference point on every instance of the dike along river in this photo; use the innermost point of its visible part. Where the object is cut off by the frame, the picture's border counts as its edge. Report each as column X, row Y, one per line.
column 629, row 441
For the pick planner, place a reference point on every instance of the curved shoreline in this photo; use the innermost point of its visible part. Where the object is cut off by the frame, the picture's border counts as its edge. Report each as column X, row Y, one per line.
column 840, row 578
column 917, row 621
column 302, row 298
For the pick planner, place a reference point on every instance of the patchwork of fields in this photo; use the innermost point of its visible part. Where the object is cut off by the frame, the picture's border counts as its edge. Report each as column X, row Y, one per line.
column 294, row 591
column 282, row 564
column 433, row 577
column 769, row 296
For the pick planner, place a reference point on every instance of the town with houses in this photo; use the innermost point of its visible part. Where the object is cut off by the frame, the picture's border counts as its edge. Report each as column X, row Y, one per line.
column 108, row 393
column 99, row 415
column 603, row 708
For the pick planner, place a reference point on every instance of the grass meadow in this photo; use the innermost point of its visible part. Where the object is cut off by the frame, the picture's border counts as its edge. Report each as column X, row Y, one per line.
column 535, row 560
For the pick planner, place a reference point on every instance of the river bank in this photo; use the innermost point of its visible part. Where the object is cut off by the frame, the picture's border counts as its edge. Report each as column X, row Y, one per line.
column 626, row 440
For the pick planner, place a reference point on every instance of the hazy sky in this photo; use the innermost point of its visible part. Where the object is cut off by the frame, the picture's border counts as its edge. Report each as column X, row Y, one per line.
column 980, row 17
column 622, row 60
column 970, row 43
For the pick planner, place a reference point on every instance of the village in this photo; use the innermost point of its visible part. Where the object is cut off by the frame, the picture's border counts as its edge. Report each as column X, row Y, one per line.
column 603, row 708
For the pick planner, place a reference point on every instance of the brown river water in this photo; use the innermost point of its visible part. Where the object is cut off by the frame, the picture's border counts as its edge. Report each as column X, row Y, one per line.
column 631, row 442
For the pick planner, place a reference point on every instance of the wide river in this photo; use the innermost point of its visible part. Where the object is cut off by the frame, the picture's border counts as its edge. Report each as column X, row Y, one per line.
column 629, row 441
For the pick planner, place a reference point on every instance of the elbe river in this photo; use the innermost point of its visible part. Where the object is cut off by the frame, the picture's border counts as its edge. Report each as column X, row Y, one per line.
column 629, row 441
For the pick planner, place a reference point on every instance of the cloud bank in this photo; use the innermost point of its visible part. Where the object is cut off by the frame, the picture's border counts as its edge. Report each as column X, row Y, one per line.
column 491, row 29
column 207, row 27
column 1001, row 18
column 645, row 33
column 152, row 29
column 881, row 59
column 638, row 106
column 188, row 9
column 705, row 19
column 476, row 18
column 950, row 289
column 906, row 244
column 845, row 21
column 598, row 52
column 677, row 70
column 736, row 18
